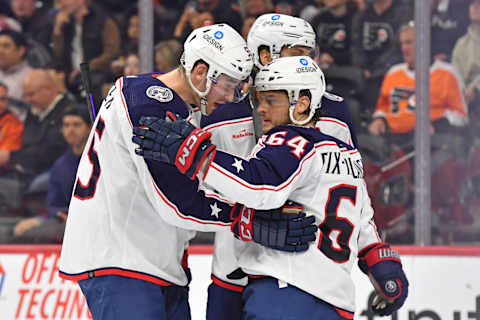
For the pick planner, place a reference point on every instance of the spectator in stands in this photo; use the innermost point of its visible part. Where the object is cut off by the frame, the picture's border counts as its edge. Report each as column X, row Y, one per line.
column 222, row 11
column 284, row 7
column 9, row 23
column 333, row 27
column 395, row 112
column 13, row 67
column 449, row 22
column 311, row 10
column 10, row 129
column 35, row 21
column 167, row 55
column 57, row 73
column 84, row 32
column 75, row 128
column 247, row 25
column 130, row 42
column 191, row 19
column 42, row 141
column 132, row 65
column 466, row 57
column 255, row 8
column 374, row 48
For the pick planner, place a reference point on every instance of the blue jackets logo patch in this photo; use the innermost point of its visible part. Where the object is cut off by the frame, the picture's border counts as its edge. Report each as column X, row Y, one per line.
column 161, row 94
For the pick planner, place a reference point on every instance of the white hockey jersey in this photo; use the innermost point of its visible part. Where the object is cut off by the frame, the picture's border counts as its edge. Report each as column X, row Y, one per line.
column 129, row 216
column 326, row 176
column 232, row 129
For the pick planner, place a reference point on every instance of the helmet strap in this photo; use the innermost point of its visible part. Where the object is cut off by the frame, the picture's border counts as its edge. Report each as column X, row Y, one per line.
column 291, row 115
column 202, row 95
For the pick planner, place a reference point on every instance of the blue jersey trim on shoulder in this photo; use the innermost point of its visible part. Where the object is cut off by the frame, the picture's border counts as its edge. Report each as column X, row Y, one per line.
column 174, row 187
column 339, row 110
column 139, row 104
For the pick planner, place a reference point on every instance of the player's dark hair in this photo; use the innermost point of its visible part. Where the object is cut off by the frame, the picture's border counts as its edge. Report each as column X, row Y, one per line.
column 200, row 61
column 3, row 85
column 262, row 47
column 307, row 93
column 182, row 68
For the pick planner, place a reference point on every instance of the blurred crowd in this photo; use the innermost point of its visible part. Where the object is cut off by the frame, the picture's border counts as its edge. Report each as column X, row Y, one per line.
column 366, row 48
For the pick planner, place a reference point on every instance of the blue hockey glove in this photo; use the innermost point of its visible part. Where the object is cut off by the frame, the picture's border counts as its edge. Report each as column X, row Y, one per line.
column 175, row 142
column 382, row 264
column 282, row 229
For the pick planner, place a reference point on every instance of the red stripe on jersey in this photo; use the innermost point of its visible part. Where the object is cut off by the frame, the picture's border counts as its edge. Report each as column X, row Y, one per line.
column 226, row 285
column 168, row 203
column 115, row 272
column 123, row 102
column 278, row 188
column 226, row 123
column 326, row 144
column 343, row 313
column 185, row 259
column 215, row 196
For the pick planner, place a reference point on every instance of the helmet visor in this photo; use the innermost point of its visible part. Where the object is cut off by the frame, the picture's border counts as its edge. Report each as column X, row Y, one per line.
column 258, row 97
column 232, row 89
column 299, row 50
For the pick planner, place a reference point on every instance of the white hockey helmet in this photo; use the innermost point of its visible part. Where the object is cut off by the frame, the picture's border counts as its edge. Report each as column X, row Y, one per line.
column 293, row 74
column 226, row 53
column 276, row 31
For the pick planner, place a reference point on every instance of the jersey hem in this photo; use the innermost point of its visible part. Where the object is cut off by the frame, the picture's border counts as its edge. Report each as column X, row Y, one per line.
column 226, row 285
column 115, row 272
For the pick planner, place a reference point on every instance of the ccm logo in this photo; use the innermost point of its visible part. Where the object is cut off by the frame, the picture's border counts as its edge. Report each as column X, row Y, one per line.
column 246, row 224
column 190, row 145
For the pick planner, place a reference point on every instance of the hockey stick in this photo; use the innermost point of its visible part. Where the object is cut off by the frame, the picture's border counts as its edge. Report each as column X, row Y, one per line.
column 87, row 84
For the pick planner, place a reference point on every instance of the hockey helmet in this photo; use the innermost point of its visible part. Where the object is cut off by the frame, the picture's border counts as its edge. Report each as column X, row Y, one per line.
column 293, row 74
column 225, row 52
column 276, row 31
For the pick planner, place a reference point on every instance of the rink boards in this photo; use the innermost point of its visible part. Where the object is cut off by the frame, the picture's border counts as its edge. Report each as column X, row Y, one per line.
column 444, row 284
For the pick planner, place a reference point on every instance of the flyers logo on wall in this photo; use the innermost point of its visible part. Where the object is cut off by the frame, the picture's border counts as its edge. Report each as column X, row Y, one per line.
column 35, row 291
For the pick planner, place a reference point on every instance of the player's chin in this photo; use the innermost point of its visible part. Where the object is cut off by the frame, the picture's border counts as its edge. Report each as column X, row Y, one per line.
column 267, row 125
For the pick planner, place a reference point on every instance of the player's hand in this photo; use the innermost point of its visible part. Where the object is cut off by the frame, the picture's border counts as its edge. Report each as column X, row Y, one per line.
column 175, row 142
column 282, row 229
column 382, row 264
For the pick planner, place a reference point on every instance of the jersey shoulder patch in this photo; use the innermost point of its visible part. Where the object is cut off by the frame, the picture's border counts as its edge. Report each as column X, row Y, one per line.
column 160, row 93
column 146, row 95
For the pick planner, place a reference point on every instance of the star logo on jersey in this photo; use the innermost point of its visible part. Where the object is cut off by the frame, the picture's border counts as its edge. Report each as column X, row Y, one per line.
column 215, row 209
column 238, row 164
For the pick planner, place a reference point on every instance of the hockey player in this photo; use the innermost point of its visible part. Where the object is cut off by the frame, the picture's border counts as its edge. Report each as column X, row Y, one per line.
column 126, row 232
column 294, row 160
column 232, row 127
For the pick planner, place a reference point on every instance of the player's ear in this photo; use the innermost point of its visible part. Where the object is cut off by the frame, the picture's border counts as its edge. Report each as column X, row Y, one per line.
column 265, row 56
column 303, row 104
column 199, row 75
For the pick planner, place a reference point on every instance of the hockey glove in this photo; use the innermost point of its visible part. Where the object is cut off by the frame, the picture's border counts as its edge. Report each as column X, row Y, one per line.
column 175, row 142
column 383, row 267
column 274, row 228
